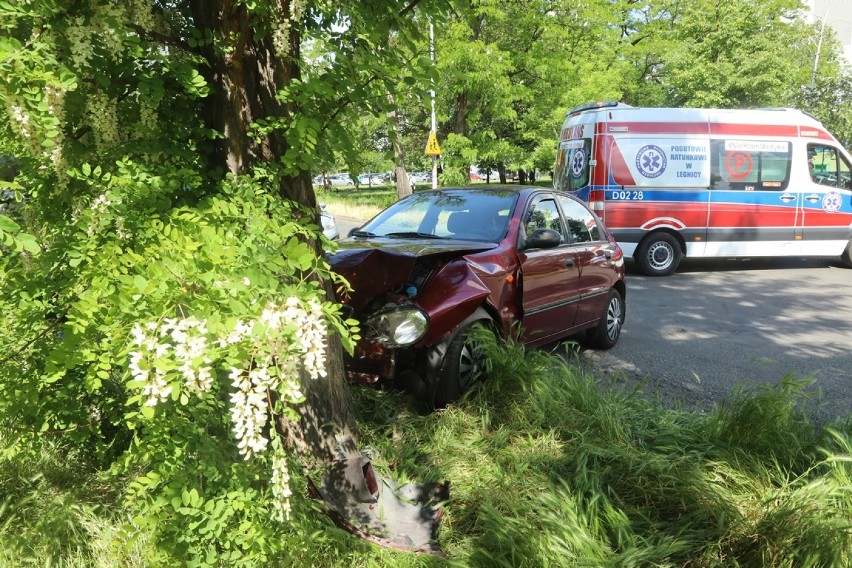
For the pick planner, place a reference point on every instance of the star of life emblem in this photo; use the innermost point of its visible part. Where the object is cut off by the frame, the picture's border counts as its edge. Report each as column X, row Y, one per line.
column 831, row 202
column 578, row 163
column 651, row 161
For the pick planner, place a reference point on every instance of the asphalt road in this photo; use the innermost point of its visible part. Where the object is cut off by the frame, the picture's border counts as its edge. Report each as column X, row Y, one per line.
column 721, row 324
column 717, row 325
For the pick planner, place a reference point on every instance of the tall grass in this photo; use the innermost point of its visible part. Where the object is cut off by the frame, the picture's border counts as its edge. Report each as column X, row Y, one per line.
column 548, row 467
column 56, row 510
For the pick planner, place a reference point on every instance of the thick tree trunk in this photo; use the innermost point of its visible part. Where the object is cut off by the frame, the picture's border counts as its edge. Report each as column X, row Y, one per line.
column 245, row 80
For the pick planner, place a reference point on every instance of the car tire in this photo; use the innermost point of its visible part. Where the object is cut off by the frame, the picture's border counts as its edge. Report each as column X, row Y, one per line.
column 659, row 255
column 608, row 330
column 461, row 366
column 846, row 256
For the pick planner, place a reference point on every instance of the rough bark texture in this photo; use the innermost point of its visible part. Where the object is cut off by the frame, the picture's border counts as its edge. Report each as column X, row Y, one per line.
column 400, row 175
column 245, row 79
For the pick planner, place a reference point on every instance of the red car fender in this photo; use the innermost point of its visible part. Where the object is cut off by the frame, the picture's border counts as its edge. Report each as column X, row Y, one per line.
column 450, row 296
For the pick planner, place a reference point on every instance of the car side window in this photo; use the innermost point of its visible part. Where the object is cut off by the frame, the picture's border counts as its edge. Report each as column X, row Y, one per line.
column 582, row 225
column 827, row 166
column 543, row 215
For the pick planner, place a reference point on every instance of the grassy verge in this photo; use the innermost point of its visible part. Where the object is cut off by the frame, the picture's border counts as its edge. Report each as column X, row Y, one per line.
column 547, row 468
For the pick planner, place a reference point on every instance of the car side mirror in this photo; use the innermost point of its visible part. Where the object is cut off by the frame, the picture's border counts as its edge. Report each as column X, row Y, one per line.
column 543, row 238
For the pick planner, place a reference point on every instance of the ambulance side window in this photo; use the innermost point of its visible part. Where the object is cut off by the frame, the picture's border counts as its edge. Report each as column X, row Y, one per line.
column 572, row 164
column 827, row 166
column 744, row 165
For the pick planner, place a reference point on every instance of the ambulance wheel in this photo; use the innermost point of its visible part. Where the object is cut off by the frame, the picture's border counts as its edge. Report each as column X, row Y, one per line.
column 659, row 255
column 846, row 257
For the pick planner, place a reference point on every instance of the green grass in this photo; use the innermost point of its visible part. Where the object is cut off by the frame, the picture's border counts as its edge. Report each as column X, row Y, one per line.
column 55, row 509
column 548, row 467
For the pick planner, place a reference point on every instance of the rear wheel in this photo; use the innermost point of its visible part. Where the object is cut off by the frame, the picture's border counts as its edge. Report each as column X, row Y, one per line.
column 605, row 335
column 846, row 257
column 462, row 365
column 659, row 255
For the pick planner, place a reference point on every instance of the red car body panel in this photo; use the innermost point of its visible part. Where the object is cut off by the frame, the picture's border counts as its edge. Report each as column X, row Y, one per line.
column 551, row 292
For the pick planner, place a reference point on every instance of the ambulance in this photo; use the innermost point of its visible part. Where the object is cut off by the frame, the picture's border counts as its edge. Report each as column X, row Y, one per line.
column 672, row 183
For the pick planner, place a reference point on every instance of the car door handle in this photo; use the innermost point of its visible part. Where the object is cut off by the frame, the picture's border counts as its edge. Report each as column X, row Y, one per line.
column 787, row 198
column 813, row 198
column 569, row 263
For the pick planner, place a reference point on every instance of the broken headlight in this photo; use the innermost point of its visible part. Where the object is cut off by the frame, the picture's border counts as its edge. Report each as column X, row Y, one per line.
column 399, row 326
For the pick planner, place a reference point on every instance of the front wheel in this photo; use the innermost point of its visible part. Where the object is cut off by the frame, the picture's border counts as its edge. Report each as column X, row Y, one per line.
column 462, row 365
column 605, row 335
column 659, row 255
column 846, row 257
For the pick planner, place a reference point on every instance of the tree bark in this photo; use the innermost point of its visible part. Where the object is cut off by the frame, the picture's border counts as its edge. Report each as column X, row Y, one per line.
column 400, row 175
column 245, row 80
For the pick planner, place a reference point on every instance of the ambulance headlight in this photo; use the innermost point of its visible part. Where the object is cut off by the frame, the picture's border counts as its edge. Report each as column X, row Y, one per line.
column 399, row 326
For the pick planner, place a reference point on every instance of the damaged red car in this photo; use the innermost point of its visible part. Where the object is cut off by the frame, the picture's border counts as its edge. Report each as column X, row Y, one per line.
column 528, row 262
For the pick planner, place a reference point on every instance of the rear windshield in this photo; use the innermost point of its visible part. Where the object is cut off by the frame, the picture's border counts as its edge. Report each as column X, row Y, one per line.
column 571, row 171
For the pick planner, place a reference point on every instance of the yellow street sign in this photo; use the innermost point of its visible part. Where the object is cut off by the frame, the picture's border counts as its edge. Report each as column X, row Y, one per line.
column 432, row 147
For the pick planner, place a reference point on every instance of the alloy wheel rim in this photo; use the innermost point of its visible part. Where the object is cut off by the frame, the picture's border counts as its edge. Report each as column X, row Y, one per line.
column 613, row 319
column 469, row 363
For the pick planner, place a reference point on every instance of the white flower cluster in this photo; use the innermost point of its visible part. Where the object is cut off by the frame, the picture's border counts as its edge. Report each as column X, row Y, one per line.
column 79, row 36
column 310, row 331
column 22, row 121
column 281, row 33
column 184, row 344
column 287, row 333
column 281, row 486
column 104, row 121
column 250, row 408
column 275, row 345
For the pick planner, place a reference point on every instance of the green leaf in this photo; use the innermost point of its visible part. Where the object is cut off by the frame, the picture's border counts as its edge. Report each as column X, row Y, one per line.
column 7, row 225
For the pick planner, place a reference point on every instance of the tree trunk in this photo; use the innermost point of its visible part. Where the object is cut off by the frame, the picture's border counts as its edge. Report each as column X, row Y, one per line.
column 245, row 81
column 400, row 175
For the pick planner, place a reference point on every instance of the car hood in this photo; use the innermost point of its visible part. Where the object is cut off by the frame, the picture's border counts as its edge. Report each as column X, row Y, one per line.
column 379, row 265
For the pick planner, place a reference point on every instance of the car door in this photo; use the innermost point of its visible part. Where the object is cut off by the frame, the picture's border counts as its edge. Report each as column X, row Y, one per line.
column 753, row 211
column 549, row 276
column 596, row 272
column 826, row 202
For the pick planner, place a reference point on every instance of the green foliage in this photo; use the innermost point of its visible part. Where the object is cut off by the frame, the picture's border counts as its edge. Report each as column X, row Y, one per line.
column 117, row 224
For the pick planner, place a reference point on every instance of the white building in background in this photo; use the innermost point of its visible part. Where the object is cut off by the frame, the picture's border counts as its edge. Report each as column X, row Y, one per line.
column 838, row 16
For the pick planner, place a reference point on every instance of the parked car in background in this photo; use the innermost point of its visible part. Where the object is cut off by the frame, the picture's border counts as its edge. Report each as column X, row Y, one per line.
column 430, row 268
column 329, row 224
column 420, row 177
column 340, row 180
column 372, row 179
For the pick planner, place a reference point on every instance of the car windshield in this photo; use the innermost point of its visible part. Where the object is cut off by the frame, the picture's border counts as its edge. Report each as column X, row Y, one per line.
column 470, row 215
